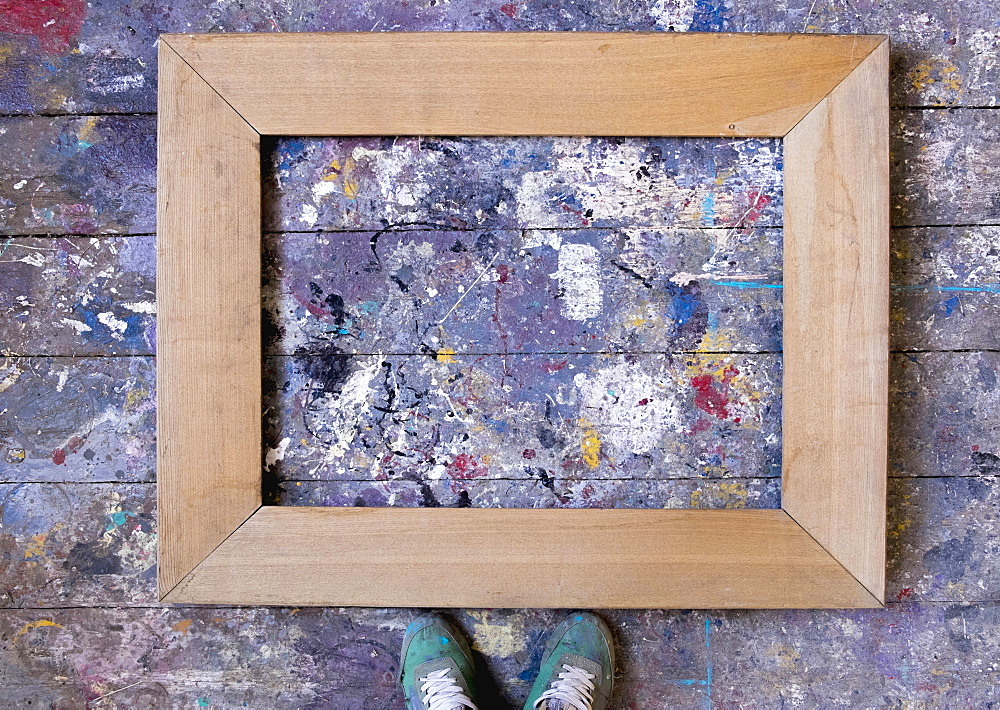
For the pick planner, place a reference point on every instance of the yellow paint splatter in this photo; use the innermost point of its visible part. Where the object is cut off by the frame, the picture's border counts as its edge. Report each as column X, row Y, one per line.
column 591, row 444
column 936, row 71
column 497, row 639
column 182, row 626
column 730, row 495
column 86, row 131
column 35, row 551
column 31, row 625
column 9, row 375
column 343, row 174
column 724, row 175
column 136, row 396
column 446, row 355
column 900, row 528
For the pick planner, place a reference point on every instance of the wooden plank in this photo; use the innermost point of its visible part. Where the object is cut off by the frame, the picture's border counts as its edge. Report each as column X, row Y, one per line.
column 519, row 292
column 522, row 558
column 208, row 375
column 77, row 419
column 583, row 416
column 836, row 294
column 565, row 492
column 483, row 83
column 77, row 174
column 521, row 182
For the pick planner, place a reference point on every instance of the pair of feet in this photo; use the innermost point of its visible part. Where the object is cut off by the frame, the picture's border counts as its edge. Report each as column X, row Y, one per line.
column 437, row 670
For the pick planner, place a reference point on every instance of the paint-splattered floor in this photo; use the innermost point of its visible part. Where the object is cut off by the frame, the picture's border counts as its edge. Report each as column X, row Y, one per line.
column 529, row 322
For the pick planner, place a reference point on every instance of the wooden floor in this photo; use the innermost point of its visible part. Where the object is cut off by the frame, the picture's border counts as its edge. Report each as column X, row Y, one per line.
column 619, row 345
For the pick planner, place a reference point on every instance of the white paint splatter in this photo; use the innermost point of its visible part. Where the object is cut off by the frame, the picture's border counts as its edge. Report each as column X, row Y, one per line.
column 147, row 307
column 673, row 15
column 346, row 407
column 33, row 258
column 119, row 85
column 309, row 215
column 277, row 453
column 115, row 324
column 534, row 238
column 393, row 171
column 631, row 409
column 324, row 187
column 984, row 45
column 19, row 185
column 579, row 281
column 80, row 327
column 683, row 278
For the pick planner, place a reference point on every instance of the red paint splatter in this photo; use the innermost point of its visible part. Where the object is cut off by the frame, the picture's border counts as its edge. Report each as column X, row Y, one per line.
column 757, row 203
column 975, row 447
column 74, row 444
column 59, row 457
column 503, row 271
column 465, row 466
column 642, row 402
column 509, row 9
column 707, row 398
column 905, row 593
column 314, row 309
column 529, row 453
column 700, row 426
column 53, row 22
column 551, row 366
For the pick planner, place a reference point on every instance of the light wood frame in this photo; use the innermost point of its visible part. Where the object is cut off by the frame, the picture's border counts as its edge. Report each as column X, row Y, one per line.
column 826, row 96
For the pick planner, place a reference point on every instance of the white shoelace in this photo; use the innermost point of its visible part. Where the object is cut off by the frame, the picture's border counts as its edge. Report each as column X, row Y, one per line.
column 443, row 693
column 574, row 688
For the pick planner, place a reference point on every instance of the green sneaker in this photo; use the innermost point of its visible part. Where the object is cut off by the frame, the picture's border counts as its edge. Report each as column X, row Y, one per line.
column 578, row 667
column 436, row 667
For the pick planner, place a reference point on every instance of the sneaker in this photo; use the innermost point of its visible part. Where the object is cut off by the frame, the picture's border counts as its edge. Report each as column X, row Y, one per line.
column 436, row 667
column 578, row 667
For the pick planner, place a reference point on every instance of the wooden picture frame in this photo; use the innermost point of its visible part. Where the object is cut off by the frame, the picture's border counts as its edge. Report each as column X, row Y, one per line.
column 826, row 96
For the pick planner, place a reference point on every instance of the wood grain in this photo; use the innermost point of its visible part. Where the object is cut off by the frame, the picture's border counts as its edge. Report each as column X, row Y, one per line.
column 537, row 83
column 208, row 301
column 467, row 557
column 836, row 308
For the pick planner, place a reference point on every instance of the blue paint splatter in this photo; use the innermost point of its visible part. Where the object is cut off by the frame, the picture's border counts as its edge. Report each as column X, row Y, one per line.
column 709, row 16
column 747, row 284
column 683, row 305
column 950, row 305
column 90, row 307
